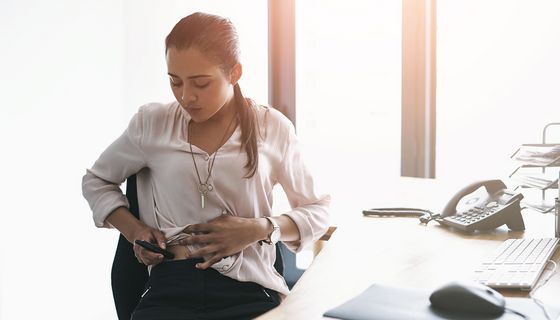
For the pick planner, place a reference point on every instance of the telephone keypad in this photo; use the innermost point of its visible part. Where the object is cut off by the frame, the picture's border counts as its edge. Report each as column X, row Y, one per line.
column 476, row 214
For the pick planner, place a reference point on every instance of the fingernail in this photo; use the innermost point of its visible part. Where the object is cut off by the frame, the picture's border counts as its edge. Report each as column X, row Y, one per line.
column 197, row 265
column 162, row 245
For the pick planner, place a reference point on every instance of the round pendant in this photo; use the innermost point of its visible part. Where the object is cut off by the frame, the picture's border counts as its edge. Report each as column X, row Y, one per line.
column 203, row 188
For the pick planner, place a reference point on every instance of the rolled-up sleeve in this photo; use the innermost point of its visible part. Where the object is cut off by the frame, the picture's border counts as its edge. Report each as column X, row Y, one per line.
column 101, row 183
column 309, row 209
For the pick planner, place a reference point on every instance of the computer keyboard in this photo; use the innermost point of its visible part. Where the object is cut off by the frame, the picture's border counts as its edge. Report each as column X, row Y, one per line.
column 516, row 263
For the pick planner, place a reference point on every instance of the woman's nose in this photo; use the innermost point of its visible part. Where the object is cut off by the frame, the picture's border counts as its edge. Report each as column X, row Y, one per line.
column 188, row 97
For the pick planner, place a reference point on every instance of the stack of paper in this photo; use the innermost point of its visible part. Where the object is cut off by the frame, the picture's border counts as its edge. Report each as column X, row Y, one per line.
column 540, row 155
column 537, row 180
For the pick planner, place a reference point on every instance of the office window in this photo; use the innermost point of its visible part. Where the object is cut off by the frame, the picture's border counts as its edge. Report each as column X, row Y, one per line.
column 498, row 78
column 348, row 95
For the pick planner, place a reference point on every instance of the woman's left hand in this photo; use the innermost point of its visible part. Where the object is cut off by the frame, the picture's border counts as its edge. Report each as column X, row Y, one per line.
column 224, row 236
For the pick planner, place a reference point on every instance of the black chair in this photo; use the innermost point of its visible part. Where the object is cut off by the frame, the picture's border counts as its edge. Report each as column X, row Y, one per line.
column 128, row 277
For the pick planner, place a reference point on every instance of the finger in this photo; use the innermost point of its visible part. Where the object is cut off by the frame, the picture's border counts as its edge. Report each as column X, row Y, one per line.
column 139, row 254
column 139, row 250
column 146, row 256
column 152, row 258
column 136, row 248
column 201, row 227
column 197, row 239
column 160, row 238
column 149, row 255
column 138, row 258
column 208, row 263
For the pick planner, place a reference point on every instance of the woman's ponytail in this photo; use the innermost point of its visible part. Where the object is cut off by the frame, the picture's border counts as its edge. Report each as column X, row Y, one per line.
column 247, row 118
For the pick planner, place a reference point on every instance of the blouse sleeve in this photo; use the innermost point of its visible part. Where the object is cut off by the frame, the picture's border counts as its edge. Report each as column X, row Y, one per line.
column 100, row 184
column 309, row 209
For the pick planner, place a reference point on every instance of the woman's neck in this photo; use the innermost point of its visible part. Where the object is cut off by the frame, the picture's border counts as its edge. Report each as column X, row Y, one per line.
column 223, row 116
column 221, row 126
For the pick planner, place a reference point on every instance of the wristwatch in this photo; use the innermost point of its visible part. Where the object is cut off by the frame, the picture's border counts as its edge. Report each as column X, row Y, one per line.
column 274, row 235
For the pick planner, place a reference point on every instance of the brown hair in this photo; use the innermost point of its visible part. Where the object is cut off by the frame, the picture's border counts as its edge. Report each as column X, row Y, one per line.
column 216, row 37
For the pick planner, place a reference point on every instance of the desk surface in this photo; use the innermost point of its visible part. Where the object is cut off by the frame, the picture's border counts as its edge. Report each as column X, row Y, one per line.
column 400, row 252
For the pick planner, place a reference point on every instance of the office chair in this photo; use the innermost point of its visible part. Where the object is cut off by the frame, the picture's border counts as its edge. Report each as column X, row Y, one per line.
column 128, row 277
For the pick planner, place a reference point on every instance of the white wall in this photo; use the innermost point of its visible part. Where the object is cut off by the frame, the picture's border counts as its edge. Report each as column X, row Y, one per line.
column 61, row 104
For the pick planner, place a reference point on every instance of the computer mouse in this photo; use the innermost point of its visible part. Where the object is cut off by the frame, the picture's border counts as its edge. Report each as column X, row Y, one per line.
column 468, row 298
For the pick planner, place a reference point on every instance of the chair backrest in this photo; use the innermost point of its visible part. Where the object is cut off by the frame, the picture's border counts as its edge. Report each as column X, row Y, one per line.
column 128, row 277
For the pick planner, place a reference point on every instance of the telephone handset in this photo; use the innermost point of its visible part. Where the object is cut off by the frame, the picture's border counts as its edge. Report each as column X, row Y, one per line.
column 500, row 206
column 469, row 211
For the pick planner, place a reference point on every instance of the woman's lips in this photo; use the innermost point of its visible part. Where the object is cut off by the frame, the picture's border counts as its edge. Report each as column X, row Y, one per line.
column 193, row 109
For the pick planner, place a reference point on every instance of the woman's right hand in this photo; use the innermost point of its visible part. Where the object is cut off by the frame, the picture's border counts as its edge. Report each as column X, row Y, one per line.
column 152, row 235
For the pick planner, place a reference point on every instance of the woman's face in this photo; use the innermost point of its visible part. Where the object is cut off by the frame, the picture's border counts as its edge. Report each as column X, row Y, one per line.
column 198, row 83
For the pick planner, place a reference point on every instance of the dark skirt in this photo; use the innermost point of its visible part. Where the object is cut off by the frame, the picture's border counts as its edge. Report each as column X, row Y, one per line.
column 178, row 290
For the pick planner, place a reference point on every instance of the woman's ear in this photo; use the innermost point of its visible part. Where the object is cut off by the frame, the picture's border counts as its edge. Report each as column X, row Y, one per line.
column 236, row 73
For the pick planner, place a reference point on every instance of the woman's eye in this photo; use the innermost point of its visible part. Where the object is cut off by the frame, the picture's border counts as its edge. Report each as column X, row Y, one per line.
column 202, row 85
column 175, row 84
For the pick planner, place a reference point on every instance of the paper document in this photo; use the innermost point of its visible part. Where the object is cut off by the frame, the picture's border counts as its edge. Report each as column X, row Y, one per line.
column 538, row 154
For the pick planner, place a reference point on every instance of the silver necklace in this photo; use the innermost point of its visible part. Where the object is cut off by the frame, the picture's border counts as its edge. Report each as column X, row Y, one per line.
column 205, row 187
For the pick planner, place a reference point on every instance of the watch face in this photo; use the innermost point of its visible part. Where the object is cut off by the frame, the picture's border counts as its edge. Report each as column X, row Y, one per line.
column 275, row 235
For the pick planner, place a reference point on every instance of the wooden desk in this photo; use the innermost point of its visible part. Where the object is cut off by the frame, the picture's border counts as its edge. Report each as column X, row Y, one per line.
column 401, row 252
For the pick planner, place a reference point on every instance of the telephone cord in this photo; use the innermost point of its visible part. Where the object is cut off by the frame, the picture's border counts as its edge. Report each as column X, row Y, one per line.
column 425, row 216
column 538, row 301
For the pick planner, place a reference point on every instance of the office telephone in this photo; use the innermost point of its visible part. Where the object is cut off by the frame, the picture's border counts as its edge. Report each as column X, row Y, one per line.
column 469, row 210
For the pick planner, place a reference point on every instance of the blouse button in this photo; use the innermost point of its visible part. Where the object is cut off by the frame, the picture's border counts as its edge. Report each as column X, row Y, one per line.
column 225, row 267
column 206, row 157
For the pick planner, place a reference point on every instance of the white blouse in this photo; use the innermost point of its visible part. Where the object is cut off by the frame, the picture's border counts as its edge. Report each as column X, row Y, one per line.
column 155, row 148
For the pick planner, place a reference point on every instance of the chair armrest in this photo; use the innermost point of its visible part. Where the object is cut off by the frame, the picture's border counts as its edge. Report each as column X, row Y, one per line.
column 328, row 234
column 319, row 244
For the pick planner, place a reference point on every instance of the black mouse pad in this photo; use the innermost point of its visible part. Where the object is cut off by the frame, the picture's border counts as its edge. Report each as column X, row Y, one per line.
column 394, row 303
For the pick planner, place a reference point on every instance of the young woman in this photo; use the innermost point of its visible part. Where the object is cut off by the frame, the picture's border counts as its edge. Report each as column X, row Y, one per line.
column 206, row 166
